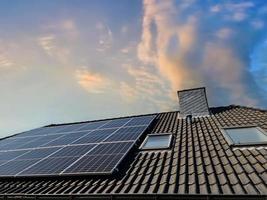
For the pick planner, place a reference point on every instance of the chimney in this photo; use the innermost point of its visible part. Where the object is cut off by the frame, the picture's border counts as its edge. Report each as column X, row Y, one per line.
column 193, row 102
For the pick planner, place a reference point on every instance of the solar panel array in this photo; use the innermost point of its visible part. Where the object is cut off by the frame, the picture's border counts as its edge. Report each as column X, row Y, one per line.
column 85, row 148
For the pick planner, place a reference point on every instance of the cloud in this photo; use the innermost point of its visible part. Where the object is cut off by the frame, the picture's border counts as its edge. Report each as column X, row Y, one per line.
column 128, row 92
column 226, row 68
column 5, row 62
column 124, row 29
column 257, row 24
column 52, row 48
column 224, row 33
column 215, row 8
column 129, row 48
column 239, row 16
column 167, row 47
column 105, row 37
column 236, row 12
column 15, row 56
column 181, row 49
column 90, row 81
column 47, row 43
column 66, row 28
column 239, row 6
column 147, row 86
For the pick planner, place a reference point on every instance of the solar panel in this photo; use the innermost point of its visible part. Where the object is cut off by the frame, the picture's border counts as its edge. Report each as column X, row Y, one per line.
column 48, row 166
column 85, row 148
column 95, row 136
column 13, row 167
column 116, row 123
column 37, row 153
column 127, row 133
column 67, row 139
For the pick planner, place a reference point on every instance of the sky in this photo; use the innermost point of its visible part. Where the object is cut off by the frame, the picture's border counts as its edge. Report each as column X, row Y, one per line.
column 76, row 60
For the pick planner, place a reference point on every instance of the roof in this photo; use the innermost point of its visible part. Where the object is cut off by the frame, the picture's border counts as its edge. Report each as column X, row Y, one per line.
column 200, row 163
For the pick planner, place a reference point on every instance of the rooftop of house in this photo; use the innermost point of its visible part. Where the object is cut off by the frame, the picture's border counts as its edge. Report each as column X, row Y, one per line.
column 200, row 163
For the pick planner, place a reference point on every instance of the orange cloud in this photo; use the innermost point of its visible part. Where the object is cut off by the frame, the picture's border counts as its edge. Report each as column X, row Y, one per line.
column 128, row 92
column 5, row 62
column 168, row 44
column 91, row 82
column 147, row 86
column 226, row 69
column 52, row 48
column 154, row 47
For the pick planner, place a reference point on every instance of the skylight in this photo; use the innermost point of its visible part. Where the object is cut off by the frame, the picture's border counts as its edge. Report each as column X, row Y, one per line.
column 157, row 141
column 245, row 135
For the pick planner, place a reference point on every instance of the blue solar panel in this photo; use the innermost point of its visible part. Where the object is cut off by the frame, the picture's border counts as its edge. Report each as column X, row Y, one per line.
column 9, row 155
column 71, row 128
column 48, row 166
column 13, row 167
column 85, row 148
column 38, row 153
column 73, row 151
column 143, row 120
column 111, row 148
column 116, row 123
column 40, row 141
column 126, row 134
column 66, row 139
column 94, row 164
column 93, row 125
column 95, row 136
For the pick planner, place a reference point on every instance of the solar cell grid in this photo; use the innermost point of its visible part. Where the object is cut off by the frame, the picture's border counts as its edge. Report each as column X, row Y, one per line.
column 127, row 133
column 66, row 139
column 95, row 136
column 92, row 125
column 111, row 148
column 11, row 146
column 93, row 147
column 94, row 164
column 41, row 141
column 138, row 121
column 16, row 143
column 9, row 155
column 73, row 151
column 51, row 130
column 15, row 166
column 116, row 123
column 38, row 153
column 48, row 166
column 40, row 131
column 30, row 133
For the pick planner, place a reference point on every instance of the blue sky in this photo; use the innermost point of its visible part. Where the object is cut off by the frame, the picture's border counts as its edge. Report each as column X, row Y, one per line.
column 66, row 61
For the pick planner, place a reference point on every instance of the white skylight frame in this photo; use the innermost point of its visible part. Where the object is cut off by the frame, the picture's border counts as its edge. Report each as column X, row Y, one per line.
column 142, row 147
column 231, row 142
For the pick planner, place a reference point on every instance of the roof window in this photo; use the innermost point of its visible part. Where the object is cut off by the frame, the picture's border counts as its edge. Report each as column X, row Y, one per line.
column 243, row 136
column 157, row 141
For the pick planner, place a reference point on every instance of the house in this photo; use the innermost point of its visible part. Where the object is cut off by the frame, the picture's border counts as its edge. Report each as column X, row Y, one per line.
column 195, row 153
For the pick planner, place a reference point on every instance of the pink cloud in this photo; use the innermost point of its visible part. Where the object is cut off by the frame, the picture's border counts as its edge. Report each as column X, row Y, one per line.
column 90, row 81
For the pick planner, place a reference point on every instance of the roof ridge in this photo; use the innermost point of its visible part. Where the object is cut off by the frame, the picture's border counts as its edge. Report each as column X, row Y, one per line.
column 249, row 107
column 156, row 113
